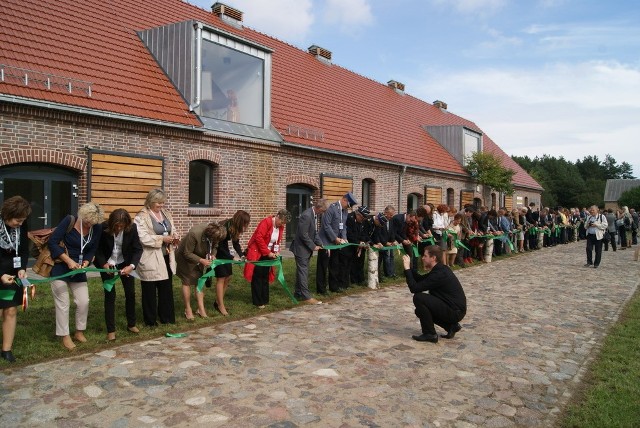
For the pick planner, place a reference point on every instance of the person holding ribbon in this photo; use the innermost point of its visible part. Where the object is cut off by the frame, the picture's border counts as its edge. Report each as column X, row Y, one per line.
column 234, row 227
column 454, row 231
column 14, row 254
column 264, row 245
column 80, row 245
column 159, row 239
column 120, row 249
column 196, row 252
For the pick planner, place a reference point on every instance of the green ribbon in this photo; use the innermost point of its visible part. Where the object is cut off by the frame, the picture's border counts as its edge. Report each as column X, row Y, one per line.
column 108, row 284
column 276, row 262
column 178, row 335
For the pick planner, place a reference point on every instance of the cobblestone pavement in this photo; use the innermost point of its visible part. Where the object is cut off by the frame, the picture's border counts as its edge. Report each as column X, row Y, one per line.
column 533, row 324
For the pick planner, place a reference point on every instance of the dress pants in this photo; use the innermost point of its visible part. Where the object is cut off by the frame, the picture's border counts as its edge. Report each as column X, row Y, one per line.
column 162, row 307
column 433, row 310
column 357, row 264
column 128, row 283
column 338, row 270
column 387, row 262
column 302, row 278
column 322, row 265
column 593, row 242
column 80, row 293
column 260, row 284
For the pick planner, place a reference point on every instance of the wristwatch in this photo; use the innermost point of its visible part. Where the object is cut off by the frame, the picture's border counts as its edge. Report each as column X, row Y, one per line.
column 132, row 266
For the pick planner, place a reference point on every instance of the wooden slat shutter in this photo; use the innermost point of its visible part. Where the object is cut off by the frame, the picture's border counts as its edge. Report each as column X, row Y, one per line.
column 120, row 181
column 508, row 203
column 334, row 187
column 433, row 195
column 466, row 198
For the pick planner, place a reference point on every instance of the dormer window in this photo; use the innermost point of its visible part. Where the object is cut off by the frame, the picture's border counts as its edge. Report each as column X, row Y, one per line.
column 472, row 142
column 232, row 85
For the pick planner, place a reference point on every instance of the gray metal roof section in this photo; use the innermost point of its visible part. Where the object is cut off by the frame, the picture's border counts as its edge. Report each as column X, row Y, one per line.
column 616, row 187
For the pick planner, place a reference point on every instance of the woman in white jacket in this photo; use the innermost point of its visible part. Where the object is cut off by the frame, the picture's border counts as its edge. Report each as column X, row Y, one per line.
column 159, row 240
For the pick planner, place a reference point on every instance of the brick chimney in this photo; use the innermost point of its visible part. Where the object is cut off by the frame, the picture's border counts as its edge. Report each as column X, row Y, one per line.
column 440, row 104
column 226, row 12
column 320, row 53
column 397, row 86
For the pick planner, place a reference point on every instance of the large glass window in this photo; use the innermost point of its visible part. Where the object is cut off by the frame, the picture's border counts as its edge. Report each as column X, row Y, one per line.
column 200, row 184
column 232, row 85
column 471, row 144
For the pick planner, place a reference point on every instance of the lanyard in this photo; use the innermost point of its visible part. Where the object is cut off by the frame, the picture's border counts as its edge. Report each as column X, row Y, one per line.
column 84, row 242
column 160, row 221
column 17, row 243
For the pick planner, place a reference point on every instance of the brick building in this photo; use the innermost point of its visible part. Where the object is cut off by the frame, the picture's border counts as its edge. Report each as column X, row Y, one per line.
column 104, row 101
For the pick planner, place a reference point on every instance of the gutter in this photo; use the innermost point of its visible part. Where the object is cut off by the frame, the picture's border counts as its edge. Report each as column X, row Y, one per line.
column 92, row 112
column 403, row 171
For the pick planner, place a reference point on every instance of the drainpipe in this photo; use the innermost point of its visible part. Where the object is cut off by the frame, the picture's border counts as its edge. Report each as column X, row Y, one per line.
column 403, row 170
column 198, row 53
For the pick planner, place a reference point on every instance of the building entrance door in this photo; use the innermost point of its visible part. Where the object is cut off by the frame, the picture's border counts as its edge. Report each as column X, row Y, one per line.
column 52, row 192
column 298, row 200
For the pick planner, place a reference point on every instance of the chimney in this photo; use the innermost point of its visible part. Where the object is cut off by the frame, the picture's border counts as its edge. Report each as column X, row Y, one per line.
column 397, row 86
column 320, row 53
column 227, row 13
column 440, row 104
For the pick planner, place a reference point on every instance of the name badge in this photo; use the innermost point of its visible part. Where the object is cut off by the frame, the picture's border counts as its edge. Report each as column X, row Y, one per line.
column 17, row 262
column 80, row 259
column 341, row 226
column 276, row 248
column 165, row 233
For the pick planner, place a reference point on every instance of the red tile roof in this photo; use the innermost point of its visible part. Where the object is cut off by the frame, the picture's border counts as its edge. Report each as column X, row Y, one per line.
column 96, row 41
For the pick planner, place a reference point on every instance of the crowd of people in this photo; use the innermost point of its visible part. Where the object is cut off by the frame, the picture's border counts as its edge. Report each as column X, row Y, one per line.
column 354, row 247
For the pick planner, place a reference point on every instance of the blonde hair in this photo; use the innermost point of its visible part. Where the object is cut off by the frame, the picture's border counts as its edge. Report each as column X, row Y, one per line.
column 91, row 213
column 155, row 195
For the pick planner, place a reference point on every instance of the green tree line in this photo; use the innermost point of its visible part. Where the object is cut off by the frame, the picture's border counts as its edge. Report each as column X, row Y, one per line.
column 570, row 184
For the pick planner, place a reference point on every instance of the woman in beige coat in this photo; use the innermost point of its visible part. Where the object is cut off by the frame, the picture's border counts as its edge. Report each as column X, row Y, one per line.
column 158, row 238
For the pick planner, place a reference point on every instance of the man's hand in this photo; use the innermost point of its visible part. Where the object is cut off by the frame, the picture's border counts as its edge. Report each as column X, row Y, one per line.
column 406, row 262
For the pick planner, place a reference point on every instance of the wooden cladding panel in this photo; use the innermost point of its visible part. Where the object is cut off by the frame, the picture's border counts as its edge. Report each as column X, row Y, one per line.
column 466, row 198
column 334, row 188
column 433, row 195
column 119, row 181
column 508, row 202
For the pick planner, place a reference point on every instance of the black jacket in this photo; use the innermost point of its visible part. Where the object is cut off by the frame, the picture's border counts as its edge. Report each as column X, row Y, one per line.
column 131, row 247
column 439, row 282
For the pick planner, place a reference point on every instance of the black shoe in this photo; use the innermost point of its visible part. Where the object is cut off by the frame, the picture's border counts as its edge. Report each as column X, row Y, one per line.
column 587, row 265
column 433, row 338
column 451, row 331
column 595, row 266
column 8, row 355
column 323, row 293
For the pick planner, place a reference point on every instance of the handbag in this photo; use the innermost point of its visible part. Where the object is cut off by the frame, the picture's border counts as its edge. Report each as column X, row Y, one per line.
column 40, row 238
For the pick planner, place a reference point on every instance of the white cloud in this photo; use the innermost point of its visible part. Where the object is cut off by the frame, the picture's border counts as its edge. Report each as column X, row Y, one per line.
column 473, row 6
column 569, row 110
column 350, row 15
column 288, row 20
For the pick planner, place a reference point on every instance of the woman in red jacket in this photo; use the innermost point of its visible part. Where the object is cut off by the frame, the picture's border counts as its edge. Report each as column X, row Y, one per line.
column 264, row 245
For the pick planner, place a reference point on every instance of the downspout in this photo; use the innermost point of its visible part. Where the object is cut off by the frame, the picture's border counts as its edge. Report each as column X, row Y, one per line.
column 198, row 69
column 403, row 170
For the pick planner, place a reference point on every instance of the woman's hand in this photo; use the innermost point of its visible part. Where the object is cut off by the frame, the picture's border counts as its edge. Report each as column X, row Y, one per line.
column 406, row 261
column 7, row 279
column 22, row 274
column 206, row 263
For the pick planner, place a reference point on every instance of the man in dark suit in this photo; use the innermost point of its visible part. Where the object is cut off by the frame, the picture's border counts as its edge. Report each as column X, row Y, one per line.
column 304, row 244
column 445, row 304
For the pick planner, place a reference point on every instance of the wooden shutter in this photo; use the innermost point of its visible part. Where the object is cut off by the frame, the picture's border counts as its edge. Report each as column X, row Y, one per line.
column 433, row 195
column 466, row 198
column 120, row 181
column 508, row 203
column 335, row 187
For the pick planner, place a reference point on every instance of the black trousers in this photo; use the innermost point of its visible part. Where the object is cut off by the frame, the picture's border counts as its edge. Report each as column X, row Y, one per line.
column 623, row 236
column 260, row 284
column 433, row 310
column 612, row 238
column 338, row 270
column 162, row 307
column 593, row 242
column 356, row 264
column 128, row 283
column 322, row 265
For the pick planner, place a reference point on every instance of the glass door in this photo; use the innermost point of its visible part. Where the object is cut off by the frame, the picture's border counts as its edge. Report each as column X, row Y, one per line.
column 298, row 200
column 51, row 191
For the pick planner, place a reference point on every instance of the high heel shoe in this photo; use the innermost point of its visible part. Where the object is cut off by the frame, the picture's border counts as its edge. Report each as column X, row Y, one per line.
column 217, row 308
column 111, row 337
column 189, row 318
column 200, row 315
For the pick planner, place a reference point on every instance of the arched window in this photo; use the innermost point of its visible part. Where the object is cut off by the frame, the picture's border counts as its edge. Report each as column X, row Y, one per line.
column 450, row 197
column 367, row 192
column 494, row 202
column 412, row 201
column 201, row 176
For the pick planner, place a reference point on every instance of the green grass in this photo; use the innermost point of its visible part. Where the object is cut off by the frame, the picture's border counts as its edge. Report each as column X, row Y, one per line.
column 610, row 392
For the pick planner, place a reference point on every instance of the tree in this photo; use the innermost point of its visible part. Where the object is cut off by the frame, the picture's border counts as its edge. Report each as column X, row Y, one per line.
column 630, row 198
column 487, row 170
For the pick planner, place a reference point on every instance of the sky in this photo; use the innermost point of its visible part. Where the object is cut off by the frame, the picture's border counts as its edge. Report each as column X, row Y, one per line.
column 554, row 77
